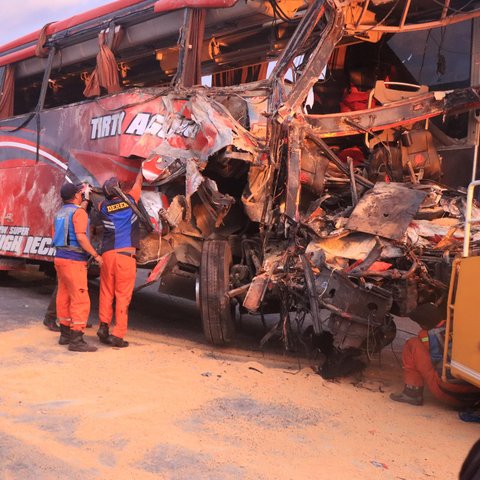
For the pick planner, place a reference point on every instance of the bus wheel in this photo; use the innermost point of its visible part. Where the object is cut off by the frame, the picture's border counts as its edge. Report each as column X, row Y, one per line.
column 215, row 306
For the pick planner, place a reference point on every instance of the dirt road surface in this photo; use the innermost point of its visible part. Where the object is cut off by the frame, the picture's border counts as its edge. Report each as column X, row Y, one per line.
column 172, row 407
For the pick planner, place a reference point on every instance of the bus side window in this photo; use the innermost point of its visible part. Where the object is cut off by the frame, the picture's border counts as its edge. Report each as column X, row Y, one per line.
column 26, row 94
column 64, row 88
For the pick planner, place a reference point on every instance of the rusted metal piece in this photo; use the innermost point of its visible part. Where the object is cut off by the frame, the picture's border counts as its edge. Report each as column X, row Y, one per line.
column 216, row 203
column 350, row 301
column 334, row 159
column 238, row 291
column 386, row 210
column 392, row 274
column 353, row 183
column 293, row 175
column 256, row 292
column 314, row 166
column 351, row 317
column 312, row 295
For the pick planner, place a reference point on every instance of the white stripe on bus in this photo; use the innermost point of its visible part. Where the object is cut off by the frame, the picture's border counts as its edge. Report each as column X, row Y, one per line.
column 30, row 148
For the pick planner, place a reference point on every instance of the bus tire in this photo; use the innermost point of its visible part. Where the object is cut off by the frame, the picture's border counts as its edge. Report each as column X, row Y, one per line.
column 215, row 305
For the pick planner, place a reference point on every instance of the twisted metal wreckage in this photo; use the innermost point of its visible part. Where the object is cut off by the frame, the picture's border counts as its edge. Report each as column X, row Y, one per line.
column 341, row 217
column 347, row 241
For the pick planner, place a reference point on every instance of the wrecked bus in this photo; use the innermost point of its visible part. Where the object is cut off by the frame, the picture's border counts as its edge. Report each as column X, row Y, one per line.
column 302, row 158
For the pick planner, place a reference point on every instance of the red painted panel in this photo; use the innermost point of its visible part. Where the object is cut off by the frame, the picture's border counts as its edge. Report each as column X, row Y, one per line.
column 166, row 5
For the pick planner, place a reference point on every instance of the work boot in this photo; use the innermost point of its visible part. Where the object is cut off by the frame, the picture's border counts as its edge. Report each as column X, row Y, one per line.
column 117, row 341
column 103, row 333
column 64, row 335
column 78, row 344
column 412, row 395
column 51, row 324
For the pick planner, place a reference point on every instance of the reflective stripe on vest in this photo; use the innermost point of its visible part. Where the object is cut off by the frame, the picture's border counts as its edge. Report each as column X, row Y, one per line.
column 423, row 336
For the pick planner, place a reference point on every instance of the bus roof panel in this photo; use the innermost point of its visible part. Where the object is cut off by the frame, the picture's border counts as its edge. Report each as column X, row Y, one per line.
column 70, row 22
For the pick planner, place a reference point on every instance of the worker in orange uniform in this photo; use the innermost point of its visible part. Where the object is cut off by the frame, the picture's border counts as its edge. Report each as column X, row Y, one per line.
column 73, row 248
column 422, row 358
column 121, row 237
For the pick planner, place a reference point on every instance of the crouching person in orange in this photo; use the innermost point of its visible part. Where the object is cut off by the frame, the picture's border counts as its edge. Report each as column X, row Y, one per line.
column 422, row 364
column 121, row 237
column 73, row 247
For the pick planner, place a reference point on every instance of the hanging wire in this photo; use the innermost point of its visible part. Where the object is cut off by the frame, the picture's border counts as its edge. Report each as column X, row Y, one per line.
column 455, row 10
column 277, row 10
column 423, row 56
column 448, row 50
column 383, row 20
column 441, row 62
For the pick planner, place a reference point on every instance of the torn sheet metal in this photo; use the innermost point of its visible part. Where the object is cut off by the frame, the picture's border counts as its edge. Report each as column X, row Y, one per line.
column 292, row 200
column 216, row 204
column 176, row 212
column 193, row 178
column 192, row 129
column 153, row 203
column 386, row 210
column 255, row 193
column 163, row 169
column 156, row 272
column 355, row 246
column 315, row 220
column 432, row 232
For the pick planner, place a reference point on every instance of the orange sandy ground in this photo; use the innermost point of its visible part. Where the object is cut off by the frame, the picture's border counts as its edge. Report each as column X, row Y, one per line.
column 176, row 409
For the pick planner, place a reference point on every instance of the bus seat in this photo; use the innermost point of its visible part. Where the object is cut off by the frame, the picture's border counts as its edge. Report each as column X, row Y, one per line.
column 421, row 154
column 383, row 92
column 357, row 95
column 414, row 160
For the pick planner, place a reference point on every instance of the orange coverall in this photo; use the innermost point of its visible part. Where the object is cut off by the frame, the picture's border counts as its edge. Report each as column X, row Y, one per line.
column 73, row 301
column 117, row 280
column 419, row 370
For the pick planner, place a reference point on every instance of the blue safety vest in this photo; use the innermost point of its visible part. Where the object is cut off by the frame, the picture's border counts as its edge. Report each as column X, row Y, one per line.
column 436, row 338
column 120, row 224
column 64, row 237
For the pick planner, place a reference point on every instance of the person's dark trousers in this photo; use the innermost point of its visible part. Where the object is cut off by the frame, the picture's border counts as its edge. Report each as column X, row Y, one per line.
column 50, row 319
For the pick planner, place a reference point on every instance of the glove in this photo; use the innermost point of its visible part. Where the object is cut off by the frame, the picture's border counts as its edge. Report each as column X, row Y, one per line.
column 86, row 191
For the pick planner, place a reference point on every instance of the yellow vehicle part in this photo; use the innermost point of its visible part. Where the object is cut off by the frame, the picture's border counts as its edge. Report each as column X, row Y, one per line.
column 463, row 321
